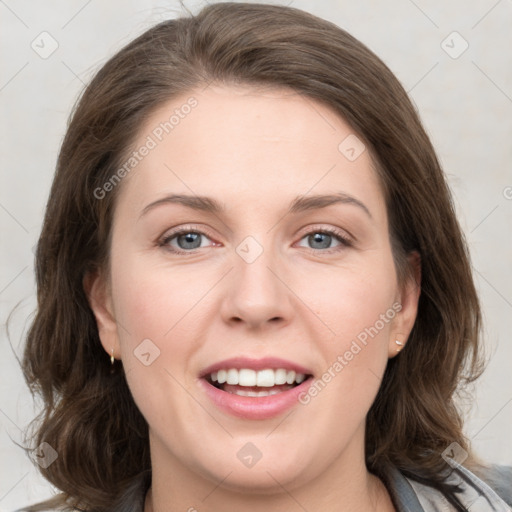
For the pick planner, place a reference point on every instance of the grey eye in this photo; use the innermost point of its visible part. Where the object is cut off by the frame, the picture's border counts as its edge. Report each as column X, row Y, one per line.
column 320, row 240
column 189, row 240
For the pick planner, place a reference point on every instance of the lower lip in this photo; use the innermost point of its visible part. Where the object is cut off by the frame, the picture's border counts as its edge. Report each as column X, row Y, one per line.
column 257, row 407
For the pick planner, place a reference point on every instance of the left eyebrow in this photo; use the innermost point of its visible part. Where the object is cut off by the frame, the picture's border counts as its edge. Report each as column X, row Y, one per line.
column 303, row 203
column 299, row 204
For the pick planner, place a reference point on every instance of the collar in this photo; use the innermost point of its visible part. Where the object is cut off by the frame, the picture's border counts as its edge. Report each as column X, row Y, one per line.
column 407, row 495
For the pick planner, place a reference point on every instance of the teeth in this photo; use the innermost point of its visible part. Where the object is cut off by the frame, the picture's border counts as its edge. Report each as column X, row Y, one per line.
column 221, row 376
column 280, row 376
column 299, row 378
column 246, row 377
column 232, row 377
column 263, row 378
column 243, row 392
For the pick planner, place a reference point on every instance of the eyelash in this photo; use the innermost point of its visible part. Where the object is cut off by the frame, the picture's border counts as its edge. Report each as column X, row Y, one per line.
column 341, row 237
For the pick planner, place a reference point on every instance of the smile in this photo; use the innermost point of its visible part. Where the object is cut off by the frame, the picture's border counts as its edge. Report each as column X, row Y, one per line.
column 247, row 382
column 255, row 389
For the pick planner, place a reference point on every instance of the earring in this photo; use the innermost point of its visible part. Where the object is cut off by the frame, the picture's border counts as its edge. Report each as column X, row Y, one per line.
column 112, row 357
column 400, row 345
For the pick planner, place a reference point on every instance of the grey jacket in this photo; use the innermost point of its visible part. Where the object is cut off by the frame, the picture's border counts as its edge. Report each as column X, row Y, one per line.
column 407, row 495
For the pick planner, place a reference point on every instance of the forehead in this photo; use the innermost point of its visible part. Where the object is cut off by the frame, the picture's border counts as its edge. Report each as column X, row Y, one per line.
column 244, row 144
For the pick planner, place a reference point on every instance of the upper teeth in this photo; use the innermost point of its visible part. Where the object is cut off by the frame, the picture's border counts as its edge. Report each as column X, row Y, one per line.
column 265, row 378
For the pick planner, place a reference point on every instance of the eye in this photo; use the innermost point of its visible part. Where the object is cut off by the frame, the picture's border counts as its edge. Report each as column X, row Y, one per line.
column 188, row 240
column 322, row 239
column 185, row 241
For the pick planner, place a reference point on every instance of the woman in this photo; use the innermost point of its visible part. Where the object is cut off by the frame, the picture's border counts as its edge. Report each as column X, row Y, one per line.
column 253, row 292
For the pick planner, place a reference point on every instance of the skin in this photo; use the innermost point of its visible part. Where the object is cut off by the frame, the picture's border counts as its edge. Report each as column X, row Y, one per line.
column 253, row 151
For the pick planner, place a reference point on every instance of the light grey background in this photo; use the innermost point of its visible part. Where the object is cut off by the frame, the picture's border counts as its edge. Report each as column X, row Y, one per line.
column 465, row 102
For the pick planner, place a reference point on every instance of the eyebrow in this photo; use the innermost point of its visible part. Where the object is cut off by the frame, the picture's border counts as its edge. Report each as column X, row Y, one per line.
column 299, row 204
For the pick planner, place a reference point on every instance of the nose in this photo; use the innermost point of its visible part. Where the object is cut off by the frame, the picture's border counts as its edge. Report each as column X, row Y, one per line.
column 256, row 294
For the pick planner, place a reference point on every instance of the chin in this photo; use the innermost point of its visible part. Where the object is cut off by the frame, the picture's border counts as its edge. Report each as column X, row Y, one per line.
column 264, row 479
column 287, row 466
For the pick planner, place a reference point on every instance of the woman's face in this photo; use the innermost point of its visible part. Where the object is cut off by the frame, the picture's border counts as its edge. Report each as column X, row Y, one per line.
column 252, row 235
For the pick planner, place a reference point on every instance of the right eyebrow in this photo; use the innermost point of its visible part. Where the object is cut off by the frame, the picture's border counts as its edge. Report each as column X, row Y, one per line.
column 206, row 204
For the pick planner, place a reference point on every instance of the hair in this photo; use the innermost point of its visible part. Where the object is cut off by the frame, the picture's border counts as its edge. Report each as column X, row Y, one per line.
column 89, row 416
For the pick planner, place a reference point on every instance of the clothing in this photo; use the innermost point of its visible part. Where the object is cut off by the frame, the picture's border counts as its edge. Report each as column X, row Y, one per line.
column 408, row 495
column 476, row 495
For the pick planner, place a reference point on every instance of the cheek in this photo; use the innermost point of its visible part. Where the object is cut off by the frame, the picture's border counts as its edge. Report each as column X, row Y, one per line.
column 158, row 340
column 351, row 301
column 152, row 302
column 355, row 306
column 358, row 307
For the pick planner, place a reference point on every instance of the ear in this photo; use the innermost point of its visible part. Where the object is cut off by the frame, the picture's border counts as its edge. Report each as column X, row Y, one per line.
column 100, row 301
column 408, row 297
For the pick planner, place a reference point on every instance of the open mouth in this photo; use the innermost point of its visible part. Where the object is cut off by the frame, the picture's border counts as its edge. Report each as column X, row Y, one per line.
column 255, row 389
column 255, row 383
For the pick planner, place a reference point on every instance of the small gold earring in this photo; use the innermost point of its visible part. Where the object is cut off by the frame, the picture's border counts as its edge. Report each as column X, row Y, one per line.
column 112, row 357
column 400, row 345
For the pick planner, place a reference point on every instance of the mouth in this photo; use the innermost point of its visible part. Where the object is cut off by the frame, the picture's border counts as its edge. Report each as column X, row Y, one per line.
column 249, row 382
column 255, row 389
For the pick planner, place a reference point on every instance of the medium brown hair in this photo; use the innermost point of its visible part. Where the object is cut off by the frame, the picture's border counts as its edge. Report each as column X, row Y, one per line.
column 89, row 415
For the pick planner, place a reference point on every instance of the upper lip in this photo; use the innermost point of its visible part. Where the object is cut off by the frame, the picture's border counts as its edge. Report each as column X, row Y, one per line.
column 255, row 364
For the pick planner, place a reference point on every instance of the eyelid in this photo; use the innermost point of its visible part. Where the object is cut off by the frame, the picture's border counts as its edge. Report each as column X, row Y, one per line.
column 183, row 229
column 186, row 228
column 345, row 239
column 316, row 228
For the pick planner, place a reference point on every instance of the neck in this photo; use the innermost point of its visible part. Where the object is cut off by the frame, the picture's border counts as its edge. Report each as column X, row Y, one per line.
column 342, row 487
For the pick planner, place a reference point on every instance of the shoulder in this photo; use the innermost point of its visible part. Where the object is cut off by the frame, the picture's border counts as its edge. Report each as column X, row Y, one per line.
column 490, row 491
column 499, row 478
column 132, row 499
